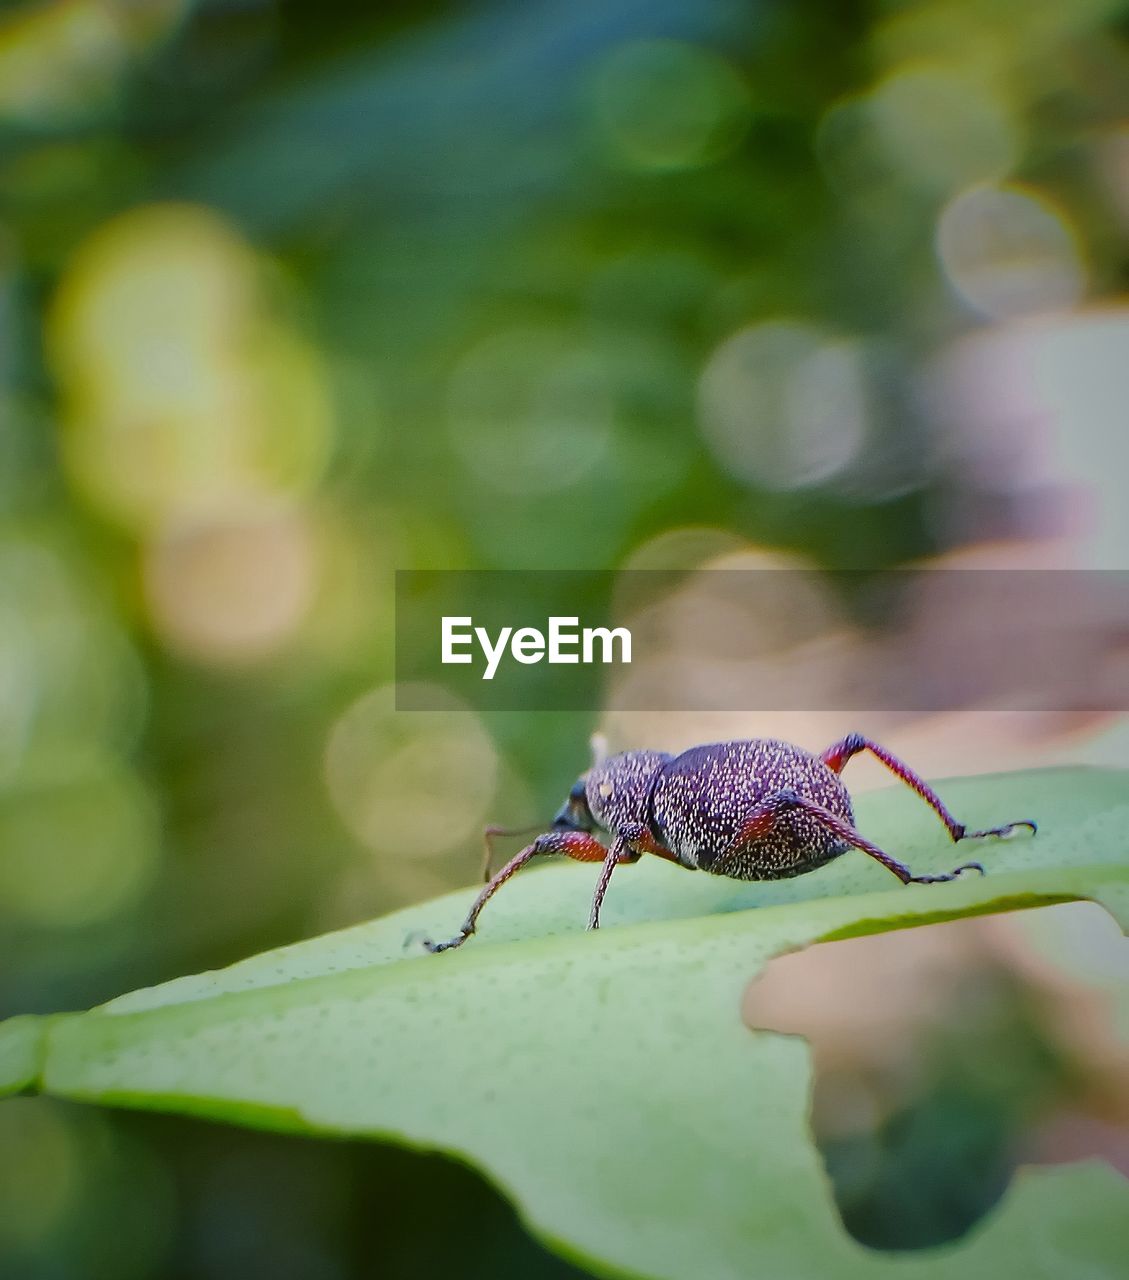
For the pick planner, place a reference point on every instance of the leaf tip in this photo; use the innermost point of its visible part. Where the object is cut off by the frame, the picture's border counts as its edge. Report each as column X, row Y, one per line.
column 22, row 1044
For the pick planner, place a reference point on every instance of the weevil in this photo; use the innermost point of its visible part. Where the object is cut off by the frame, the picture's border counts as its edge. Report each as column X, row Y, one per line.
column 755, row 810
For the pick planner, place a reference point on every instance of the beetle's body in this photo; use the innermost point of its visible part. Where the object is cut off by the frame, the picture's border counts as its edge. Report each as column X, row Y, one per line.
column 695, row 803
column 753, row 810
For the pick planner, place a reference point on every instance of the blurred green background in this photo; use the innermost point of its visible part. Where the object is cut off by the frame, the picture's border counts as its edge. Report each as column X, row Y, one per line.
column 295, row 294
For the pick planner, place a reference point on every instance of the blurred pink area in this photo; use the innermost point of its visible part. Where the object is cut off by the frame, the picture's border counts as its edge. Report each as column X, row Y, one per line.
column 873, row 1010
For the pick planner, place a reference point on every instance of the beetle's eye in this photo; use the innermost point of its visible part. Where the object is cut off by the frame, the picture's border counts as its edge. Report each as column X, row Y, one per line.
column 578, row 792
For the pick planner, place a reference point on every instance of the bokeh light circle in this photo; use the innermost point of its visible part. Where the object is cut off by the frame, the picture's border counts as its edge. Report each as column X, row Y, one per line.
column 77, row 849
column 530, row 410
column 232, row 589
column 942, row 128
column 668, row 105
column 783, row 404
column 182, row 389
column 63, row 61
column 1009, row 252
column 68, row 671
column 411, row 784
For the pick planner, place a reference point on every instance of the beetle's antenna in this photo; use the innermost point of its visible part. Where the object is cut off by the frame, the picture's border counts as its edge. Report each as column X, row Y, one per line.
column 488, row 836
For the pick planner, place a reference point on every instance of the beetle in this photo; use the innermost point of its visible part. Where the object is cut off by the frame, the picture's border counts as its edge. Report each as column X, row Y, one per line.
column 760, row 809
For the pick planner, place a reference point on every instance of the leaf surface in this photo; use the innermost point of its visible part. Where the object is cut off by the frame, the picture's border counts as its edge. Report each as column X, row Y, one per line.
column 606, row 1081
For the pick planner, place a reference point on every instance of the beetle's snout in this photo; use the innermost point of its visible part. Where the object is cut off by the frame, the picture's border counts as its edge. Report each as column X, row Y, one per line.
column 564, row 820
column 574, row 814
column 572, row 817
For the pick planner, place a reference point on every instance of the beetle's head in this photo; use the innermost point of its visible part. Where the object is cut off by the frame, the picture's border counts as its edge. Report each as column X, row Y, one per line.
column 613, row 792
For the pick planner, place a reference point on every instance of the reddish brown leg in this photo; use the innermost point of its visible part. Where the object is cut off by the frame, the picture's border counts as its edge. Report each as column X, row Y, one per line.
column 761, row 820
column 837, row 756
column 640, row 839
column 573, row 844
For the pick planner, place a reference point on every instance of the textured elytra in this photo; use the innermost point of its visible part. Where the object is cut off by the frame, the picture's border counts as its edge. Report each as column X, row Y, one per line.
column 695, row 803
column 701, row 798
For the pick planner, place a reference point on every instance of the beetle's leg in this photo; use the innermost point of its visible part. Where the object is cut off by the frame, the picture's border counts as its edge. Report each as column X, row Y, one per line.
column 573, row 844
column 617, row 852
column 632, row 841
column 836, row 757
column 488, row 836
column 763, row 818
column 641, row 839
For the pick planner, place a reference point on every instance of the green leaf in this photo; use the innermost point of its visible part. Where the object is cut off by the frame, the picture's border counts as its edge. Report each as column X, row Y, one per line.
column 21, row 1052
column 606, row 1081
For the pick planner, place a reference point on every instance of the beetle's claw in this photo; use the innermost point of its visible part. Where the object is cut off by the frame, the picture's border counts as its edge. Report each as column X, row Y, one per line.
column 951, row 875
column 1001, row 833
column 449, row 945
